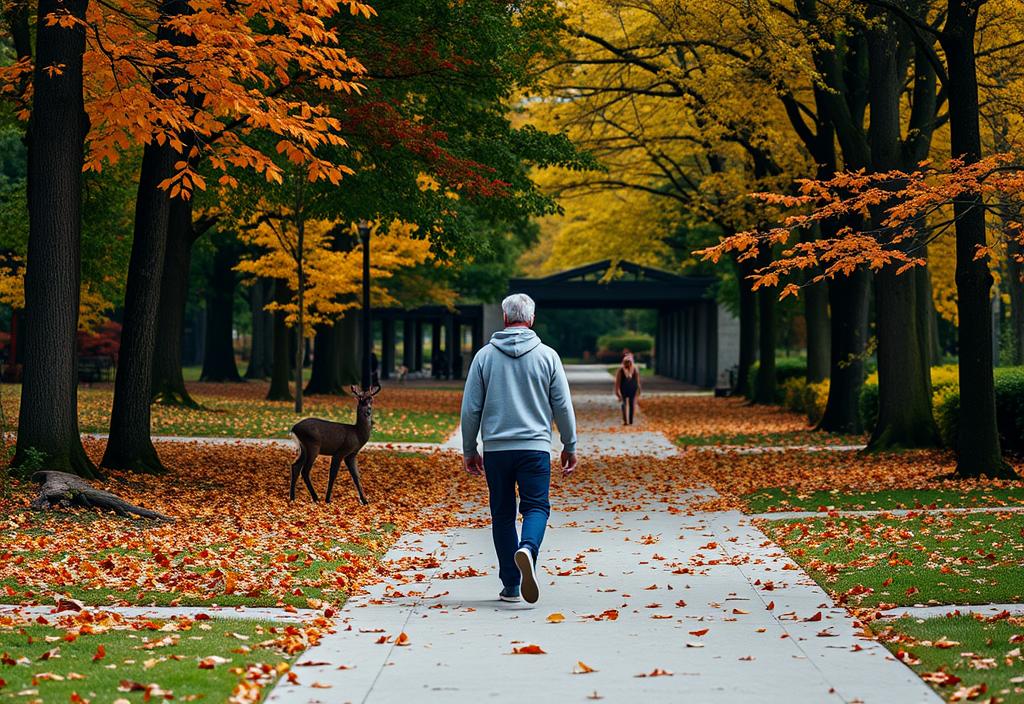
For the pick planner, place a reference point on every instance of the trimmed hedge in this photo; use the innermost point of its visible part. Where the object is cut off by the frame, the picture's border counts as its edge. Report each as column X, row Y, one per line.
column 611, row 347
column 1009, row 383
column 805, row 398
column 786, row 368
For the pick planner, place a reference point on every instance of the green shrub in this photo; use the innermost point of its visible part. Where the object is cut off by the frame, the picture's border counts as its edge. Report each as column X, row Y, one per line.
column 1009, row 388
column 786, row 368
column 612, row 346
column 801, row 397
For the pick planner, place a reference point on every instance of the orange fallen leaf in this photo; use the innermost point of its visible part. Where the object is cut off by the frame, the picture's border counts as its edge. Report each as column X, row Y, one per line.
column 101, row 652
column 656, row 672
column 582, row 668
column 528, row 650
column 699, row 632
column 815, row 617
column 402, row 639
column 555, row 618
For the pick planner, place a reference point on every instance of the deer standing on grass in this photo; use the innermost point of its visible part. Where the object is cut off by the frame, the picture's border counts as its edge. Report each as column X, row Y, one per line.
column 342, row 441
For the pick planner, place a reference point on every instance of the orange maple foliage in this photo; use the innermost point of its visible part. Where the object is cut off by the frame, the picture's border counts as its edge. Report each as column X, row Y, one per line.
column 233, row 70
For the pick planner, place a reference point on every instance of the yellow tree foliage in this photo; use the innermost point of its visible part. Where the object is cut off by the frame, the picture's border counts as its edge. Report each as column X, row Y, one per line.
column 333, row 278
column 93, row 307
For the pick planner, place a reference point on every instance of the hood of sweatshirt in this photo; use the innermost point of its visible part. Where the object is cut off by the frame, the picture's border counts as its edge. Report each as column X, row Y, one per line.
column 515, row 341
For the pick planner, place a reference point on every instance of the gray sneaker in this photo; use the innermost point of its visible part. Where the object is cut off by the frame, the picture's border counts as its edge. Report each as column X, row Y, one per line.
column 524, row 561
column 510, row 594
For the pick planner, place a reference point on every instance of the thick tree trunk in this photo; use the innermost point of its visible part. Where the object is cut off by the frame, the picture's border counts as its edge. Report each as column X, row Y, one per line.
column 48, row 416
column 848, row 300
column 336, row 357
column 129, row 445
column 219, row 358
column 979, row 453
column 904, row 376
column 281, row 371
column 261, row 353
column 818, row 331
column 766, row 381
column 168, row 381
column 748, row 331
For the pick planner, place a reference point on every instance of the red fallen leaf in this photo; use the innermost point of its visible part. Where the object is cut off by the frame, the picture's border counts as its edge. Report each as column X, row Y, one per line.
column 381, row 640
column 202, row 617
column 293, row 678
column 211, row 662
column 77, row 698
column 680, row 603
column 3, row 683
column 50, row 654
column 827, row 633
column 815, row 617
column 771, row 606
column 912, row 590
column 907, row 658
column 656, row 672
column 699, row 632
column 528, row 650
column 945, row 643
column 66, row 604
column 312, row 663
column 101, row 652
column 940, row 678
column 739, row 612
column 402, row 639
column 887, row 582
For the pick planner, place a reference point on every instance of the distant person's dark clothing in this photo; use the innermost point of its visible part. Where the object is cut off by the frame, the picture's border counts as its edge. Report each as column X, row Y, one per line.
column 627, row 388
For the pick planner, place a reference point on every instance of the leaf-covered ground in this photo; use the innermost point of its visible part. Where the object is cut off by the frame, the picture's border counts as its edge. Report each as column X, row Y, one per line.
column 401, row 414
column 237, row 540
column 923, row 558
column 102, row 657
column 962, row 657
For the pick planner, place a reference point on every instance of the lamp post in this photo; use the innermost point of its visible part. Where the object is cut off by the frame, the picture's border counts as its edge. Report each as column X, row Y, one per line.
column 364, row 237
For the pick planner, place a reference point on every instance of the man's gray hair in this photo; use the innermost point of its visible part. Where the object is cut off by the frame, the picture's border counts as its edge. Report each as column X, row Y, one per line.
column 518, row 308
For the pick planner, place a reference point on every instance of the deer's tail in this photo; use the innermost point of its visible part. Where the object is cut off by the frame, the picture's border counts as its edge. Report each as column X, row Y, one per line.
column 298, row 446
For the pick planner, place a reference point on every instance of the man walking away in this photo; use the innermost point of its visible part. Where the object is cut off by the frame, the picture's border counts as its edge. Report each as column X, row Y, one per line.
column 515, row 386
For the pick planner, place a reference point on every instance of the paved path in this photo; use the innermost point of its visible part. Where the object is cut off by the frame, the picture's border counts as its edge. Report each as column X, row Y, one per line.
column 705, row 597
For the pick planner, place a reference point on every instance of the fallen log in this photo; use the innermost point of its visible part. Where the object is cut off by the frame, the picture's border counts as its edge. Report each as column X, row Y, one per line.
column 63, row 490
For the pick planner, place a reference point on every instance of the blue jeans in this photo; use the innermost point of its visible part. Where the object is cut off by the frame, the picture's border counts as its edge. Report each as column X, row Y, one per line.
column 531, row 471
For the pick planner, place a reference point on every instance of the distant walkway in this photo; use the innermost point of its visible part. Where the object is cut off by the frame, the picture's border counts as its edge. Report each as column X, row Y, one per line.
column 645, row 605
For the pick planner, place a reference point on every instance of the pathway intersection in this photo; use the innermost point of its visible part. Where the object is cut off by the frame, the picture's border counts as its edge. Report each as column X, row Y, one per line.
column 655, row 605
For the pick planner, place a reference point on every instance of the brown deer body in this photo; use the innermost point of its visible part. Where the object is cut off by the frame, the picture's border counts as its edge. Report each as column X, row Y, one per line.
column 342, row 441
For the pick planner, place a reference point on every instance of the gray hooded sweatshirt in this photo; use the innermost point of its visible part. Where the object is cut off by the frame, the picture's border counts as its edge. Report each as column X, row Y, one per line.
column 515, row 386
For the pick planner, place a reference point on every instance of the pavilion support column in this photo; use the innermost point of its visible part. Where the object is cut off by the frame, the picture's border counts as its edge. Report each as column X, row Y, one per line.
column 387, row 345
column 435, row 349
column 408, row 344
column 451, row 346
column 417, row 347
column 677, row 344
column 478, row 335
column 659, row 338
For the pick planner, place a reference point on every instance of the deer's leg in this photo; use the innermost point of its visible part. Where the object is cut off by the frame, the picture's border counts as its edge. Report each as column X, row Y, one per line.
column 335, row 464
column 353, row 469
column 311, row 453
column 296, row 468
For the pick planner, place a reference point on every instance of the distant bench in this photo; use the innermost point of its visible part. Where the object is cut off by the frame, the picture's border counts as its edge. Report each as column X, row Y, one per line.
column 95, row 368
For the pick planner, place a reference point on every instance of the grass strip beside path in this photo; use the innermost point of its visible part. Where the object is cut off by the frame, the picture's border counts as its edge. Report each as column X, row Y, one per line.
column 194, row 661
column 780, row 499
column 963, row 658
column 920, row 558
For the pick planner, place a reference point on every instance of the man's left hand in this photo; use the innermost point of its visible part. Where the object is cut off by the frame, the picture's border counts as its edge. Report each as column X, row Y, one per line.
column 568, row 462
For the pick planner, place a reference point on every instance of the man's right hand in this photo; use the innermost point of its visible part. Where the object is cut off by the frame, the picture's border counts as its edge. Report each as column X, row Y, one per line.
column 474, row 464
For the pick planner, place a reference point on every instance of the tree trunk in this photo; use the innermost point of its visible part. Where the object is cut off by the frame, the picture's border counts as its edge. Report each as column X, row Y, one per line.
column 300, row 333
column 979, row 453
column 261, row 354
column 904, row 376
column 129, row 445
column 168, row 381
column 219, row 358
column 48, row 416
column 848, row 300
column 818, row 332
column 336, row 357
column 766, row 382
column 748, row 330
column 279, row 389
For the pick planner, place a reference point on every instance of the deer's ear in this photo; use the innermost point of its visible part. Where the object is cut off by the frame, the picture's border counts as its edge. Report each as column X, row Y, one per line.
column 375, row 390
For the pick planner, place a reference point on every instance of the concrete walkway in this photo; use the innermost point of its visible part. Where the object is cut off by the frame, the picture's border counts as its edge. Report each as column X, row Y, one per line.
column 664, row 606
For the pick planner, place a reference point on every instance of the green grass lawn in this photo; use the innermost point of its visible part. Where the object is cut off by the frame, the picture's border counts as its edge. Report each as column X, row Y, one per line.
column 784, row 439
column 971, row 654
column 174, row 666
column 928, row 558
column 778, row 499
